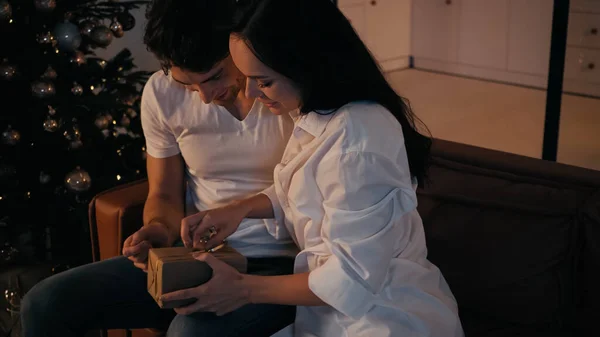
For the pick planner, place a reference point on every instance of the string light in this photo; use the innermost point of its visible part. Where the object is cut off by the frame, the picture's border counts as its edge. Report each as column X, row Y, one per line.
column 118, row 177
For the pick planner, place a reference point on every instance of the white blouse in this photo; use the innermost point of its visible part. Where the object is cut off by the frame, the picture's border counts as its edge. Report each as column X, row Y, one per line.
column 344, row 194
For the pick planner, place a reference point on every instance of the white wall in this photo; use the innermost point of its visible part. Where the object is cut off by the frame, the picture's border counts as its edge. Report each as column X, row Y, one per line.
column 134, row 41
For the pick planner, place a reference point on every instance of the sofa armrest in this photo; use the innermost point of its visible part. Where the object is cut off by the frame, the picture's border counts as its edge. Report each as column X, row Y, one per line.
column 114, row 215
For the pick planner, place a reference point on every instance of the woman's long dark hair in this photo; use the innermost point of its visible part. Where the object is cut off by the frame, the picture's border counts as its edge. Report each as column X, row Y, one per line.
column 312, row 43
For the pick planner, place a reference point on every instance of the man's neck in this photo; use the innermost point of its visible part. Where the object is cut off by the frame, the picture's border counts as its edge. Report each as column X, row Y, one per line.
column 240, row 108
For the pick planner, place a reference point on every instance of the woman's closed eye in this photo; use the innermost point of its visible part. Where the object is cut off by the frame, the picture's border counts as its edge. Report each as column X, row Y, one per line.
column 264, row 84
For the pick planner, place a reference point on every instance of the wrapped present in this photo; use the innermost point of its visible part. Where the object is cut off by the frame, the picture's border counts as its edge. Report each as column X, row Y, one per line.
column 175, row 268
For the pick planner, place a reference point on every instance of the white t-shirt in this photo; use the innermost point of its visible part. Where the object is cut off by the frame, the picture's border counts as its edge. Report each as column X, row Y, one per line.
column 225, row 158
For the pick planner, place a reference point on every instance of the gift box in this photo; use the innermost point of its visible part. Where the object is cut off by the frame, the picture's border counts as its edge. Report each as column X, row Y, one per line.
column 175, row 268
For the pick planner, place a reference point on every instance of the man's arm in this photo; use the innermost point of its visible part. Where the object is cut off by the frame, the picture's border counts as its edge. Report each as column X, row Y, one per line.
column 165, row 202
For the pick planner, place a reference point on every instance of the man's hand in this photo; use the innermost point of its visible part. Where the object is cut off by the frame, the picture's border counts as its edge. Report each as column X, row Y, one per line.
column 223, row 293
column 136, row 246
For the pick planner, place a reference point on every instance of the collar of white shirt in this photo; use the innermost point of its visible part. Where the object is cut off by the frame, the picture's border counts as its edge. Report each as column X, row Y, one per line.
column 315, row 121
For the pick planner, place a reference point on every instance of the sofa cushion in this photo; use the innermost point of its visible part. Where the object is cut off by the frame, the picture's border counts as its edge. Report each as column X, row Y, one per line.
column 505, row 237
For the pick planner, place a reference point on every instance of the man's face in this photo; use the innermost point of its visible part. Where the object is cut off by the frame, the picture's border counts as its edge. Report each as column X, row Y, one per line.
column 220, row 85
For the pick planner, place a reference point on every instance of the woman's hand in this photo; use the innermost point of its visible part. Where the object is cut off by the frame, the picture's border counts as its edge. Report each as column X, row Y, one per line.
column 207, row 229
column 223, row 293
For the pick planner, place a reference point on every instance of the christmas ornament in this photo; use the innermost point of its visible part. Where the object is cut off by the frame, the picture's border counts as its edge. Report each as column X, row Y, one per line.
column 102, row 122
column 96, row 89
column 127, row 20
column 10, row 136
column 12, row 293
column 8, row 254
column 76, row 144
column 119, row 131
column 50, row 124
column 5, row 10
column 86, row 27
column 44, row 177
column 78, row 180
column 77, row 58
column 45, row 5
column 129, row 99
column 131, row 112
column 42, row 89
column 117, row 28
column 46, row 38
column 102, row 36
column 67, row 35
column 125, row 121
column 77, row 89
column 49, row 74
column 7, row 71
column 101, row 63
column 74, row 136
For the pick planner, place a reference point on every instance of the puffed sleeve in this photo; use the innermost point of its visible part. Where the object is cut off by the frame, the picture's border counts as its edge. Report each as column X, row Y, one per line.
column 275, row 227
column 367, row 199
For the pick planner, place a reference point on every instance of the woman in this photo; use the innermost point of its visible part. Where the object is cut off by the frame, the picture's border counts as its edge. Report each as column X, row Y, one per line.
column 344, row 191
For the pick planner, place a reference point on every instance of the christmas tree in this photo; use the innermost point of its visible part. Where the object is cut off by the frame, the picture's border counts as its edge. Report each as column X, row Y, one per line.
column 69, row 121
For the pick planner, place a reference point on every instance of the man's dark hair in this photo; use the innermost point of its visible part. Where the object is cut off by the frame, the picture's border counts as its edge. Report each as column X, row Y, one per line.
column 190, row 34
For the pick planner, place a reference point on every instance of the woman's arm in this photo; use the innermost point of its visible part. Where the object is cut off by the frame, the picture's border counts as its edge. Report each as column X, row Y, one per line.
column 225, row 220
column 256, row 207
column 284, row 289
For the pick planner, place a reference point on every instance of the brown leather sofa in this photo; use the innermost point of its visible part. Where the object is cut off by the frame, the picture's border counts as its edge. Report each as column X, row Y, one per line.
column 517, row 238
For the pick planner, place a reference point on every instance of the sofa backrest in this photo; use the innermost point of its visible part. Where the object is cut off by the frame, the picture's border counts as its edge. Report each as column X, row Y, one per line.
column 511, row 233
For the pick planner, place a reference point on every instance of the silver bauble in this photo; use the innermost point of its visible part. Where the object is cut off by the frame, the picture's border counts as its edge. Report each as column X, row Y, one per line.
column 77, row 89
column 50, row 124
column 125, row 121
column 45, row 38
column 131, row 112
column 49, row 74
column 102, row 122
column 43, row 89
column 117, row 28
column 5, row 10
column 97, row 89
column 102, row 36
column 78, row 180
column 44, row 177
column 11, row 136
column 86, row 27
column 77, row 58
column 45, row 5
column 67, row 35
column 7, row 71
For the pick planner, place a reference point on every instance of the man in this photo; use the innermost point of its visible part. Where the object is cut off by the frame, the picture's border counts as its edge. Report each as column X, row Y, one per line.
column 201, row 131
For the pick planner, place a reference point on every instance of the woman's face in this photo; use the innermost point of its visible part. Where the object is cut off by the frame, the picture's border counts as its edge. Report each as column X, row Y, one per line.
column 274, row 90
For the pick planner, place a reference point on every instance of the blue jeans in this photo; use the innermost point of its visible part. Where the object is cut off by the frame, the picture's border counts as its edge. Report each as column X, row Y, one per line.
column 111, row 294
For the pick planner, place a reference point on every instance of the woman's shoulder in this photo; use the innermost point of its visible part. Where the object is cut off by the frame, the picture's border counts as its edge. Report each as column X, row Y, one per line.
column 366, row 126
column 366, row 117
